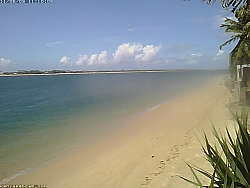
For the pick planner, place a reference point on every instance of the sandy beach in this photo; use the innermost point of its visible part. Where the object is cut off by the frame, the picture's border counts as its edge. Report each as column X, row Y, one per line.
column 149, row 151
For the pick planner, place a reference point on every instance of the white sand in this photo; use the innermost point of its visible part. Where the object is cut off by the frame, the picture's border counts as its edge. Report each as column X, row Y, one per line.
column 148, row 152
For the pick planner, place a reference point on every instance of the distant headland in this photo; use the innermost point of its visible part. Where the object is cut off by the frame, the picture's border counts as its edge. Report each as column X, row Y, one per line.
column 59, row 72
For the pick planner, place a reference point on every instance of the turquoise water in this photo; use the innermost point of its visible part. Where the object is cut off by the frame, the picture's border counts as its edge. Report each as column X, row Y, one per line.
column 42, row 117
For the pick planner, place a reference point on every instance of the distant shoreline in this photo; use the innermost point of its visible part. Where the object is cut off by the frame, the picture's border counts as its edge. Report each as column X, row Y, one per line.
column 69, row 72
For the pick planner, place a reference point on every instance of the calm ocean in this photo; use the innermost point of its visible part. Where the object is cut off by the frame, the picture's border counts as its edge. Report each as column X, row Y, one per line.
column 42, row 117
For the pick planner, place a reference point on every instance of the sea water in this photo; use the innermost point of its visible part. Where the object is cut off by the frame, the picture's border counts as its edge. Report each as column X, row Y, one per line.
column 42, row 117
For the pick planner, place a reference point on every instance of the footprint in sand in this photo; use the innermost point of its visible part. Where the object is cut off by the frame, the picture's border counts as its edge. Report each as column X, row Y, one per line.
column 162, row 165
column 197, row 155
column 175, row 154
column 147, row 180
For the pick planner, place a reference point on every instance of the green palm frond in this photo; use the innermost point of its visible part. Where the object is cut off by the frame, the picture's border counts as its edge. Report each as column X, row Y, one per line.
column 232, row 39
column 231, row 163
column 247, row 30
column 230, row 21
column 241, row 35
column 234, row 4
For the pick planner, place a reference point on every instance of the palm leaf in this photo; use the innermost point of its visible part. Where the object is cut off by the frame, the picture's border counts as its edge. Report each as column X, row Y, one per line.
column 198, row 182
column 241, row 33
column 229, row 41
column 231, row 166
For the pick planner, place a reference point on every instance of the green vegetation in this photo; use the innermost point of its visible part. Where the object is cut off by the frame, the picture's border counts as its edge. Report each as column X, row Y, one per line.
column 241, row 33
column 234, row 4
column 230, row 162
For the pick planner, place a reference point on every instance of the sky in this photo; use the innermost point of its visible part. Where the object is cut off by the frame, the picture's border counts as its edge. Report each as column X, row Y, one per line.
column 112, row 35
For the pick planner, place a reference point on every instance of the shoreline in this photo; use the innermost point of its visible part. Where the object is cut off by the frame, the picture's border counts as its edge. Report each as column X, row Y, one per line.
column 140, row 154
column 109, row 72
column 103, row 136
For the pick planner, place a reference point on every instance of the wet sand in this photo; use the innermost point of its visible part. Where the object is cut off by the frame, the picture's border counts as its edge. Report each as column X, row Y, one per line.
column 149, row 151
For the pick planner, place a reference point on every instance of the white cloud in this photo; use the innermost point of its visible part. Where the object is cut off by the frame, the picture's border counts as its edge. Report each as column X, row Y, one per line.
column 103, row 57
column 125, row 53
column 82, row 60
column 193, row 59
column 148, row 53
column 133, row 29
column 94, row 59
column 5, row 62
column 53, row 44
column 135, row 53
column 220, row 53
column 196, row 55
column 64, row 60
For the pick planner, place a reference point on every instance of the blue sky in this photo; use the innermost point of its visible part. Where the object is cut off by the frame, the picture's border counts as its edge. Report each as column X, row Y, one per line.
column 112, row 34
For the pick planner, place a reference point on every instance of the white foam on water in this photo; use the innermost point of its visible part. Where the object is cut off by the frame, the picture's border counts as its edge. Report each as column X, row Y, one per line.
column 6, row 180
column 158, row 105
column 147, row 110
column 153, row 108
